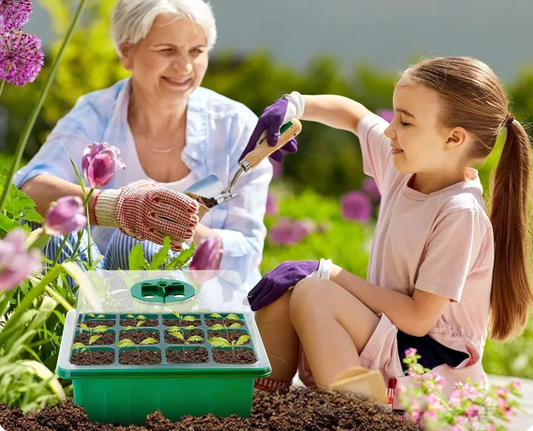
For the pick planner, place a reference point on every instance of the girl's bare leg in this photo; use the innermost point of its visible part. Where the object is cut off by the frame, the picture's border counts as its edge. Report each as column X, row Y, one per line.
column 280, row 338
column 333, row 326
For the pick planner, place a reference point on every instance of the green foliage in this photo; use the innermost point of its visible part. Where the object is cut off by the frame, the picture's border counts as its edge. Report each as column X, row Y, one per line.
column 161, row 259
column 223, row 343
column 345, row 242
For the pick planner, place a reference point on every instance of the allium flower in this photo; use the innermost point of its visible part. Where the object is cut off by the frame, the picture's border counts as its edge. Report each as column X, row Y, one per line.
column 17, row 263
column 370, row 187
column 286, row 231
column 65, row 216
column 356, row 206
column 14, row 14
column 271, row 205
column 21, row 57
column 206, row 256
column 99, row 163
column 304, row 227
column 386, row 114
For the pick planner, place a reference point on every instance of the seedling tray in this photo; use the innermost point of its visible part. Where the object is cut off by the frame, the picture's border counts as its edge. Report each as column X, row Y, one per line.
column 113, row 390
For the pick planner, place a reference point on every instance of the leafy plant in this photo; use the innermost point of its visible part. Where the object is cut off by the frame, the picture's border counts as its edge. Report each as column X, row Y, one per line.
column 161, row 259
column 223, row 343
column 176, row 331
column 138, row 325
column 96, row 330
column 184, row 318
column 126, row 342
column 82, row 347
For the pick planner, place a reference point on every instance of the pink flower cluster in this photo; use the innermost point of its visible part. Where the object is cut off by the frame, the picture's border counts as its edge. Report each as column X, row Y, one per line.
column 469, row 407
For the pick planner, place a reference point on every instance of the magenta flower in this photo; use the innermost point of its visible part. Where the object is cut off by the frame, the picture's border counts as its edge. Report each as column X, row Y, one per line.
column 386, row 114
column 206, row 257
column 410, row 352
column 99, row 163
column 17, row 263
column 370, row 187
column 21, row 57
column 65, row 216
column 14, row 14
column 356, row 206
column 271, row 205
column 287, row 231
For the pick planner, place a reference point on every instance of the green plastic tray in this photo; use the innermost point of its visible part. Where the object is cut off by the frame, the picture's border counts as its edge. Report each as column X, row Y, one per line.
column 125, row 394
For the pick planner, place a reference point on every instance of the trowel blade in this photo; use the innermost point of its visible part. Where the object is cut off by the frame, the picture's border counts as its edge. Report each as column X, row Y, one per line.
column 209, row 187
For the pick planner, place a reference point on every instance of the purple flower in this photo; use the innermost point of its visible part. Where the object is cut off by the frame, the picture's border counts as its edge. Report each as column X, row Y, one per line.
column 99, row 163
column 271, row 205
column 65, row 216
column 17, row 263
column 356, row 206
column 386, row 114
column 14, row 14
column 207, row 256
column 21, row 57
column 370, row 187
column 287, row 231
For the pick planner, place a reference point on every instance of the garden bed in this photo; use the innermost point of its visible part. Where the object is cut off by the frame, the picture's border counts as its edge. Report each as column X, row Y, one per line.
column 300, row 409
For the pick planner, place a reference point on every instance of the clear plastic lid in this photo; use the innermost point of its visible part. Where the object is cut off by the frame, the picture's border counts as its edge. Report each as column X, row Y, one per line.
column 104, row 291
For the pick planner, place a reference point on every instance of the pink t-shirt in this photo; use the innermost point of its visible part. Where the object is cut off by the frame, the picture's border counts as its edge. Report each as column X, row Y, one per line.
column 440, row 242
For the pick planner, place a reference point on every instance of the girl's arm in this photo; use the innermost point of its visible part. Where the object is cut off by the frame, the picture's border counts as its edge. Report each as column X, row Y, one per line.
column 414, row 315
column 334, row 111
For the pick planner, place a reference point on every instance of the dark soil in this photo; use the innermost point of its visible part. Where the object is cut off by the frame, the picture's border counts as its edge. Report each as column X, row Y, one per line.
column 170, row 339
column 227, row 322
column 208, row 202
column 181, row 322
column 136, row 356
column 234, row 356
column 93, row 357
column 95, row 323
column 232, row 335
column 187, row 356
column 133, row 322
column 138, row 336
column 300, row 410
column 106, row 338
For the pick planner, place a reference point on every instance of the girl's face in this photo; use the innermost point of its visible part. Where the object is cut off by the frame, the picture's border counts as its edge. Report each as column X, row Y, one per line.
column 418, row 144
column 171, row 61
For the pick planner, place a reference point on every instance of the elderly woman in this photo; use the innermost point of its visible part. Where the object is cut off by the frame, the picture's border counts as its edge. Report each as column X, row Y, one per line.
column 170, row 131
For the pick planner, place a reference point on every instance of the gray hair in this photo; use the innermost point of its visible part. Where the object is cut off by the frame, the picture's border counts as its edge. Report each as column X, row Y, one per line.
column 132, row 19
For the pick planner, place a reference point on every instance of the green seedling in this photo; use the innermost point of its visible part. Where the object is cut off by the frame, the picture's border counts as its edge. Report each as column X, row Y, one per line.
column 96, row 330
column 139, row 324
column 82, row 346
column 129, row 343
column 222, row 342
column 175, row 331
column 184, row 318
column 140, row 317
column 97, row 317
column 228, row 317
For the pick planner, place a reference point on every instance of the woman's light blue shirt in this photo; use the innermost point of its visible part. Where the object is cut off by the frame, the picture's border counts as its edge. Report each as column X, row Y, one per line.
column 217, row 132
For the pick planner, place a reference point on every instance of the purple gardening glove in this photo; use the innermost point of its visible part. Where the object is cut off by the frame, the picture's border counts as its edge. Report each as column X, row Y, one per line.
column 272, row 119
column 278, row 281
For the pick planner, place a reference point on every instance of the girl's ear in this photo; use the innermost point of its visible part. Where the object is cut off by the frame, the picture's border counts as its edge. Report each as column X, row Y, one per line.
column 126, row 54
column 456, row 139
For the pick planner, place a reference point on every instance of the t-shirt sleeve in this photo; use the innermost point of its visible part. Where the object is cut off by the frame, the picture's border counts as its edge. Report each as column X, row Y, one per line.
column 375, row 147
column 456, row 248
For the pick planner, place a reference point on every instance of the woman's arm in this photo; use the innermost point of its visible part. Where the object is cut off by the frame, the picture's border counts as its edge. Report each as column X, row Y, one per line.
column 334, row 111
column 414, row 315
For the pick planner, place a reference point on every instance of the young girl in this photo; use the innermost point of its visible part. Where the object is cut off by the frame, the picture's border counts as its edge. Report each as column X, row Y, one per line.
column 441, row 270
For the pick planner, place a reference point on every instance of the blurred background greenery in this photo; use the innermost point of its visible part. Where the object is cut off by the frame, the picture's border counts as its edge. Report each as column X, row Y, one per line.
column 328, row 163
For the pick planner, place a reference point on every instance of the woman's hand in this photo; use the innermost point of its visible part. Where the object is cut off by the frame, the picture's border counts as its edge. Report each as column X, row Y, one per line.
column 278, row 281
column 273, row 118
column 147, row 211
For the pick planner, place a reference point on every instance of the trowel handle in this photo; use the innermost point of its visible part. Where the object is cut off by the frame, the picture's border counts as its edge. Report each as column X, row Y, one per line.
column 263, row 150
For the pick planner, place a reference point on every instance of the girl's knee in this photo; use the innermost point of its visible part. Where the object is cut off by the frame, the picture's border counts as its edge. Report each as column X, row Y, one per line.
column 275, row 311
column 307, row 300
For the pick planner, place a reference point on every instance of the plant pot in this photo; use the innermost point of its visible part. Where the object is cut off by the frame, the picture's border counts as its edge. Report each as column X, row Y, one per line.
column 189, row 379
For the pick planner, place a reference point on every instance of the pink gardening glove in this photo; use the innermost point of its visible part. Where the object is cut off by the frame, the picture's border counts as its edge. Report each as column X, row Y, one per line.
column 147, row 211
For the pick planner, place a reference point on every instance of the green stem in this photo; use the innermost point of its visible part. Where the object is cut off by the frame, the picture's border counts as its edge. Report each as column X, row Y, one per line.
column 58, row 253
column 86, row 204
column 58, row 298
column 37, row 108
column 2, row 86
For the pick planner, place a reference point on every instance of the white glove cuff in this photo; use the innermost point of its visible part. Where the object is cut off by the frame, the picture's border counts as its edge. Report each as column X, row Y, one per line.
column 104, row 208
column 323, row 271
column 296, row 106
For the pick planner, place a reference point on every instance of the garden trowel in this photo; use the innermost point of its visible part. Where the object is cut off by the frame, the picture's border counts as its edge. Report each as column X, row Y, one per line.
column 212, row 188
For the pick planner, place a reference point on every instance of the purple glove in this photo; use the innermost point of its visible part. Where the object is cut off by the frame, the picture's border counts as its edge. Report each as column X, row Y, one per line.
column 271, row 120
column 276, row 282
